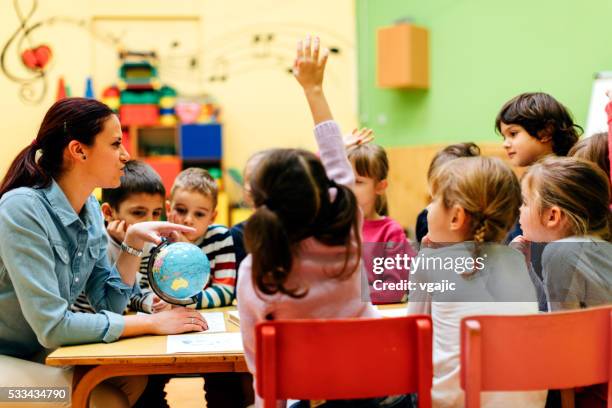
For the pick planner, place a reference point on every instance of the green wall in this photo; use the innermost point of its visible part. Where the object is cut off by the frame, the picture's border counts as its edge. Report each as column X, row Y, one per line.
column 482, row 53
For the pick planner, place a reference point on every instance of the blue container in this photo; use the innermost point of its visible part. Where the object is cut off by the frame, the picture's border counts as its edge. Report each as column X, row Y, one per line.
column 200, row 142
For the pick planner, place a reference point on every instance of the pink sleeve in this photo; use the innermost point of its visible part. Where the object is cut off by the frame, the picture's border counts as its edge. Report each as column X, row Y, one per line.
column 609, row 112
column 333, row 153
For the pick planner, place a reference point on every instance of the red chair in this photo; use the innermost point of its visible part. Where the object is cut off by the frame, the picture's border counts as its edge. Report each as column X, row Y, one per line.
column 344, row 359
column 546, row 351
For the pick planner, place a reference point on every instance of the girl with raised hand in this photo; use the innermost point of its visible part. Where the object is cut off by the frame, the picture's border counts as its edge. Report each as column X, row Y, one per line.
column 304, row 239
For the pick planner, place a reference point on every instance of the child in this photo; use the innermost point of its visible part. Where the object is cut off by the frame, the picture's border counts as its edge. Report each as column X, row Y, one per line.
column 193, row 202
column 565, row 202
column 139, row 198
column 448, row 153
column 382, row 236
column 475, row 200
column 304, row 237
column 237, row 230
column 535, row 125
column 594, row 149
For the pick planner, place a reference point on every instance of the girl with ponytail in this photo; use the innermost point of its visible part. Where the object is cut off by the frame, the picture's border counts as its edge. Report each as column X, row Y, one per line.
column 475, row 201
column 303, row 240
column 566, row 204
column 53, row 247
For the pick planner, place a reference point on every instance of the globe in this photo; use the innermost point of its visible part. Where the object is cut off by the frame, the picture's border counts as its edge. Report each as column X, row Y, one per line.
column 178, row 272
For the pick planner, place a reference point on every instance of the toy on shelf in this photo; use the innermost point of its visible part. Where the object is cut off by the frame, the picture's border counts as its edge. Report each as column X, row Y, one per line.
column 209, row 114
column 138, row 70
column 61, row 89
column 187, row 111
column 89, row 90
column 167, row 104
column 110, row 97
column 139, row 85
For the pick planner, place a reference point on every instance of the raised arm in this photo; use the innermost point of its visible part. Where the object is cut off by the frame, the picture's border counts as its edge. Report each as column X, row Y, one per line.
column 309, row 70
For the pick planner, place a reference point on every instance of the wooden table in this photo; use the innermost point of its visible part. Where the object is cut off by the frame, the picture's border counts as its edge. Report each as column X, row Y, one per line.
column 144, row 355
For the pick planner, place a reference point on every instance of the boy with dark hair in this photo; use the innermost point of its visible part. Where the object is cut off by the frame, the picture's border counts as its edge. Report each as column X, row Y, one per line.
column 139, row 198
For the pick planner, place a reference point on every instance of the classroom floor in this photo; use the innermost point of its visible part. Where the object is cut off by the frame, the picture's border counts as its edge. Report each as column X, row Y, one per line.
column 185, row 393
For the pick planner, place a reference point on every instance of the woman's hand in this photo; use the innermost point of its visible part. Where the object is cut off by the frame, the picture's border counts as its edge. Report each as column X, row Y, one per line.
column 177, row 320
column 308, row 68
column 152, row 231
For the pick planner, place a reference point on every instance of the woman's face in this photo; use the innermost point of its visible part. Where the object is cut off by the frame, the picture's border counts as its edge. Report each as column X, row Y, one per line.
column 107, row 157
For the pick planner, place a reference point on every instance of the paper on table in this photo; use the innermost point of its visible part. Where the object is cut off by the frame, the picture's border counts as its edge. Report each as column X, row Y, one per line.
column 204, row 343
column 215, row 320
column 234, row 317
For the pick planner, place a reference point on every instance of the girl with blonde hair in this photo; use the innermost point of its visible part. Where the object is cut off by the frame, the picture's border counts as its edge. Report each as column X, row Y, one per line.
column 475, row 201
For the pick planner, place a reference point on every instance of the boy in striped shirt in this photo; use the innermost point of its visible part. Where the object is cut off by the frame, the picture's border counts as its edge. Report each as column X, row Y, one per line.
column 193, row 202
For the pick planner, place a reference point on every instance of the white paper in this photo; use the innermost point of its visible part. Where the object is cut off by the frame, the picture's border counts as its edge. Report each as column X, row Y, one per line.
column 204, row 343
column 234, row 317
column 395, row 312
column 215, row 320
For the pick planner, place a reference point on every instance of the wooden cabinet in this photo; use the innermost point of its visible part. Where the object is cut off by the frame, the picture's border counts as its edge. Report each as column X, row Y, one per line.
column 403, row 57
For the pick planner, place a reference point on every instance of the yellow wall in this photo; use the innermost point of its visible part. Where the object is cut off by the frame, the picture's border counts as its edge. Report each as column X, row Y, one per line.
column 262, row 105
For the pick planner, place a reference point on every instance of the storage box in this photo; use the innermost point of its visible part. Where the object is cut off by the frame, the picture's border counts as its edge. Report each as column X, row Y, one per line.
column 403, row 57
column 200, row 142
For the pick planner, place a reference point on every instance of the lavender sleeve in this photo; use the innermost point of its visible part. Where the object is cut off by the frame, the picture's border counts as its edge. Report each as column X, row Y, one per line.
column 333, row 153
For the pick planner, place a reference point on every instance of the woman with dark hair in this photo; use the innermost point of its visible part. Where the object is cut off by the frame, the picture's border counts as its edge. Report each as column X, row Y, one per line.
column 53, row 246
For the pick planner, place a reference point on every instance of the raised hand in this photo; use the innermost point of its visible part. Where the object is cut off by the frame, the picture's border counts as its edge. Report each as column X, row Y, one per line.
column 309, row 69
column 309, row 66
column 358, row 137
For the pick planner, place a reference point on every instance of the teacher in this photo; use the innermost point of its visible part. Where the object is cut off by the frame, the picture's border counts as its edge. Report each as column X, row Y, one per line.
column 53, row 246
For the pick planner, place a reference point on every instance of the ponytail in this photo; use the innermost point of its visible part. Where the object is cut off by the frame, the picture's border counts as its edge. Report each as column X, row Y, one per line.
column 24, row 171
column 338, row 226
column 69, row 119
column 268, row 243
column 291, row 192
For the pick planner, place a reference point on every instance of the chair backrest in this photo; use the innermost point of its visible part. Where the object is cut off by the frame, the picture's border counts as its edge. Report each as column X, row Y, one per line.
column 536, row 352
column 344, row 358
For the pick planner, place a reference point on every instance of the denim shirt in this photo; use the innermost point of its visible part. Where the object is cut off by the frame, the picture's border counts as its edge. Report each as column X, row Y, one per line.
column 48, row 255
